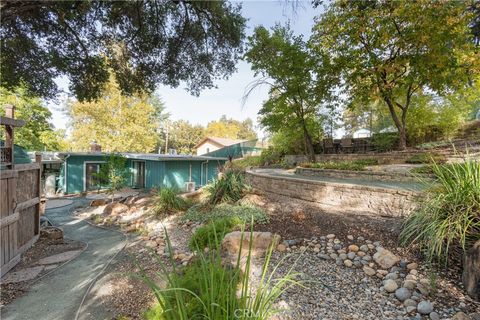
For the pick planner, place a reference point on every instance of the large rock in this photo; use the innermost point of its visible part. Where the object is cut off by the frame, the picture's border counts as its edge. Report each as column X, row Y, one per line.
column 471, row 271
column 385, row 259
column 115, row 208
column 98, row 202
column 232, row 242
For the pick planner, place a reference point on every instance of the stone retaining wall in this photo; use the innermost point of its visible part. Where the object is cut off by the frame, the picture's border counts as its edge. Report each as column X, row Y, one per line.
column 350, row 174
column 347, row 197
column 383, row 158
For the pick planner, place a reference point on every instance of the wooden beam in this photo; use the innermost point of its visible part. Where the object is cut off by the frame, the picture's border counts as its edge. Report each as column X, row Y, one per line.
column 11, row 122
column 27, row 166
column 7, row 174
column 9, row 219
column 27, row 204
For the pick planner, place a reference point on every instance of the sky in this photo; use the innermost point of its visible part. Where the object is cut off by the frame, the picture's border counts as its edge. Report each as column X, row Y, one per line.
column 226, row 99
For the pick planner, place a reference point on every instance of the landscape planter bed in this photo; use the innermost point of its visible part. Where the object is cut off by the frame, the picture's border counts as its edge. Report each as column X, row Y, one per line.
column 342, row 196
column 364, row 175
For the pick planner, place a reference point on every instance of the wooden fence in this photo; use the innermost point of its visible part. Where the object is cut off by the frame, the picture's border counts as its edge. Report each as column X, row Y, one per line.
column 19, row 212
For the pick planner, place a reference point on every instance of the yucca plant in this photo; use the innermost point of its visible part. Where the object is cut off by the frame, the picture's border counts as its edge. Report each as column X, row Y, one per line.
column 169, row 201
column 209, row 289
column 448, row 222
column 229, row 188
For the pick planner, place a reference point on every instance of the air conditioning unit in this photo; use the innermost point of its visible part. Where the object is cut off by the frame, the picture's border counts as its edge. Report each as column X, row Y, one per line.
column 190, row 186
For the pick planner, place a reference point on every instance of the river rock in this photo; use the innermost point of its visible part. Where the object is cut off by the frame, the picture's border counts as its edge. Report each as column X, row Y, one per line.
column 385, row 258
column 402, row 294
column 425, row 307
column 369, row 271
column 390, row 285
column 461, row 316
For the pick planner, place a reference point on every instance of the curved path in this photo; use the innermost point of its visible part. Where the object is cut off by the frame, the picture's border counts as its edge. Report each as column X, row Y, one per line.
column 59, row 294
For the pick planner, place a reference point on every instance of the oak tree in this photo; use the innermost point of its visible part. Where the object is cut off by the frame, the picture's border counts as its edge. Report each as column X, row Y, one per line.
column 145, row 42
column 392, row 50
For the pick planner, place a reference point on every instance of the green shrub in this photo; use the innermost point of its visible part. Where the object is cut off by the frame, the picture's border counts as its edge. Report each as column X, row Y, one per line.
column 252, row 161
column 243, row 210
column 356, row 165
column 229, row 188
column 425, row 158
column 387, row 141
column 208, row 289
column 449, row 218
column 211, row 234
column 169, row 201
column 271, row 156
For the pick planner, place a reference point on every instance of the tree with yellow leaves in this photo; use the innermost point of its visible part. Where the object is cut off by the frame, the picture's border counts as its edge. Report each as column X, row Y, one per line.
column 117, row 122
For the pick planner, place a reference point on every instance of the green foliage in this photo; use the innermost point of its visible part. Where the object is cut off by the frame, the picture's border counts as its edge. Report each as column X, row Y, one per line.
column 425, row 158
column 243, row 210
column 356, row 165
column 194, row 287
column 184, row 136
column 169, row 201
column 381, row 51
column 229, row 188
column 140, row 41
column 299, row 82
column 113, row 173
column 449, row 218
column 208, row 289
column 117, row 122
column 231, row 129
column 211, row 234
column 38, row 133
column 251, row 161
column 383, row 142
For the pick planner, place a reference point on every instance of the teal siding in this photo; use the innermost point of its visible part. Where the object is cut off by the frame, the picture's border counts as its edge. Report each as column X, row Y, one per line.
column 154, row 172
column 75, row 171
column 170, row 173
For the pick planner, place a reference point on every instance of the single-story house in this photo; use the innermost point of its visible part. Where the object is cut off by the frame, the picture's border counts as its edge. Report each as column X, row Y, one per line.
column 146, row 170
column 210, row 144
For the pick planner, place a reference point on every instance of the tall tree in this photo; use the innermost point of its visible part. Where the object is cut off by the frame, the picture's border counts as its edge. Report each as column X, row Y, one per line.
column 145, row 42
column 298, row 82
column 117, row 122
column 393, row 50
column 38, row 134
column 231, row 129
column 185, row 136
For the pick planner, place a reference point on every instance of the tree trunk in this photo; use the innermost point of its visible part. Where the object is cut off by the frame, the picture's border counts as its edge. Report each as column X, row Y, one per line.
column 399, row 123
column 471, row 271
column 308, row 142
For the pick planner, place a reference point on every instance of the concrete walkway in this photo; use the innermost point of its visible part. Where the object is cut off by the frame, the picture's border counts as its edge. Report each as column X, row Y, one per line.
column 59, row 294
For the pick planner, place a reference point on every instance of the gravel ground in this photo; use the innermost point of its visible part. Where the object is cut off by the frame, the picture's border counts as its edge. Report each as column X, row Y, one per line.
column 333, row 291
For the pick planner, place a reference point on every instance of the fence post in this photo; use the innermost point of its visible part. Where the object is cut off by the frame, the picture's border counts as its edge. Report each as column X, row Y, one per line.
column 9, row 138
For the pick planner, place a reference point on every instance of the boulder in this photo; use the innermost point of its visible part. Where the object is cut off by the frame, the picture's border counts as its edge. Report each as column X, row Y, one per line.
column 115, row 208
column 98, row 202
column 261, row 241
column 385, row 259
column 471, row 271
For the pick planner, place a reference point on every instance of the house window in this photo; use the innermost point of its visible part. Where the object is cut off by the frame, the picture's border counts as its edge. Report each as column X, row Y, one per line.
column 208, row 150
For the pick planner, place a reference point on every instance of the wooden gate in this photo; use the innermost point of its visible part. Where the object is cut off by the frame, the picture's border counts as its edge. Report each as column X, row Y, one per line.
column 19, row 199
column 19, row 212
